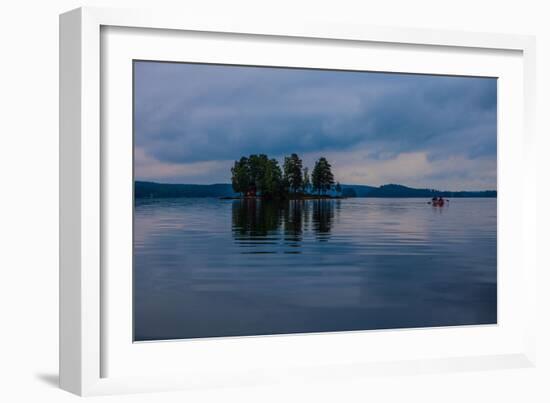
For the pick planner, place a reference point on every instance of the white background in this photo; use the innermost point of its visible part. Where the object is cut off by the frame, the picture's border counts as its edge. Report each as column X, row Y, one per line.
column 29, row 188
column 244, row 355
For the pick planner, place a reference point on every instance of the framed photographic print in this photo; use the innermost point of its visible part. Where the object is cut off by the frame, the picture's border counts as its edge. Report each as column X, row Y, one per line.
column 244, row 202
column 234, row 237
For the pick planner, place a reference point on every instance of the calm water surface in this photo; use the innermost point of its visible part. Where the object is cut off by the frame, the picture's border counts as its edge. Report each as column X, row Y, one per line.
column 208, row 267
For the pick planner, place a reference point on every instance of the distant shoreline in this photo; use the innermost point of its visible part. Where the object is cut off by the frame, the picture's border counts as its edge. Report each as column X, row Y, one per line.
column 301, row 197
column 145, row 190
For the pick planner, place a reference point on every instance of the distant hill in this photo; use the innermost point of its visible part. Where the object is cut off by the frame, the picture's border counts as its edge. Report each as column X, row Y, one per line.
column 360, row 190
column 393, row 190
column 158, row 190
column 153, row 190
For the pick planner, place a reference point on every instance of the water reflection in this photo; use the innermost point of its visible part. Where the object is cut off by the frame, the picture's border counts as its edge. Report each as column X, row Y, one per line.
column 260, row 223
column 323, row 217
column 200, row 268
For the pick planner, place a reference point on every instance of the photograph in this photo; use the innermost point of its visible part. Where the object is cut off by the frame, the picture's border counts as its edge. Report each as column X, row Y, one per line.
column 283, row 200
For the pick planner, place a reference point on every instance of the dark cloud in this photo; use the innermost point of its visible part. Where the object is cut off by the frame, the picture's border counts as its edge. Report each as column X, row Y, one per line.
column 186, row 113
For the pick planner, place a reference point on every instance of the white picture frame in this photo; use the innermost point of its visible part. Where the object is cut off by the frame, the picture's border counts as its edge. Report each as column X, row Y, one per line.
column 96, row 354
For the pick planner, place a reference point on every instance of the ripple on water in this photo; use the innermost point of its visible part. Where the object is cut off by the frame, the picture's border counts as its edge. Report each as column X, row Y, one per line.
column 205, row 267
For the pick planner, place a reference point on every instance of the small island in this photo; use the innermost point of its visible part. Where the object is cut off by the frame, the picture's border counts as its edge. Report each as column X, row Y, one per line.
column 258, row 176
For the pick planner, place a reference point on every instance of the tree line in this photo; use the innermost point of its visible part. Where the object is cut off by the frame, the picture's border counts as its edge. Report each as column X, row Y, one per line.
column 259, row 174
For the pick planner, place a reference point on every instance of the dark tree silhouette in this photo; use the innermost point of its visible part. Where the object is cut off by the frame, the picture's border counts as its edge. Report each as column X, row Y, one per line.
column 293, row 172
column 259, row 173
column 240, row 176
column 322, row 177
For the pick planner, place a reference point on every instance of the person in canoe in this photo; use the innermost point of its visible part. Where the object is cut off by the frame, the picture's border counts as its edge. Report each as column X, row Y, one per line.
column 438, row 201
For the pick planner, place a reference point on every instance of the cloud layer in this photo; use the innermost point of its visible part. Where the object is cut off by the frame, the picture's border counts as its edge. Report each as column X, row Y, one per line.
column 191, row 121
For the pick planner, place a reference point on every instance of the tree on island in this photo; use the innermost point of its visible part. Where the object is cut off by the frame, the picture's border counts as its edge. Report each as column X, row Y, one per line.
column 293, row 172
column 240, row 176
column 322, row 178
column 259, row 173
column 265, row 176
column 256, row 167
column 271, row 184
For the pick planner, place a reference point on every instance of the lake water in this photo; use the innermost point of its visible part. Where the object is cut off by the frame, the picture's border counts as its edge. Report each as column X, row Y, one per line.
column 208, row 267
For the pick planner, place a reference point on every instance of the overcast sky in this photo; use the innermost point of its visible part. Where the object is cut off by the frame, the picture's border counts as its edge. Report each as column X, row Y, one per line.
column 192, row 121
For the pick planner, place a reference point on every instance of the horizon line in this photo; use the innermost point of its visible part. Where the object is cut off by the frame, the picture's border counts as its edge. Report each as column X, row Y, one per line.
column 342, row 184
